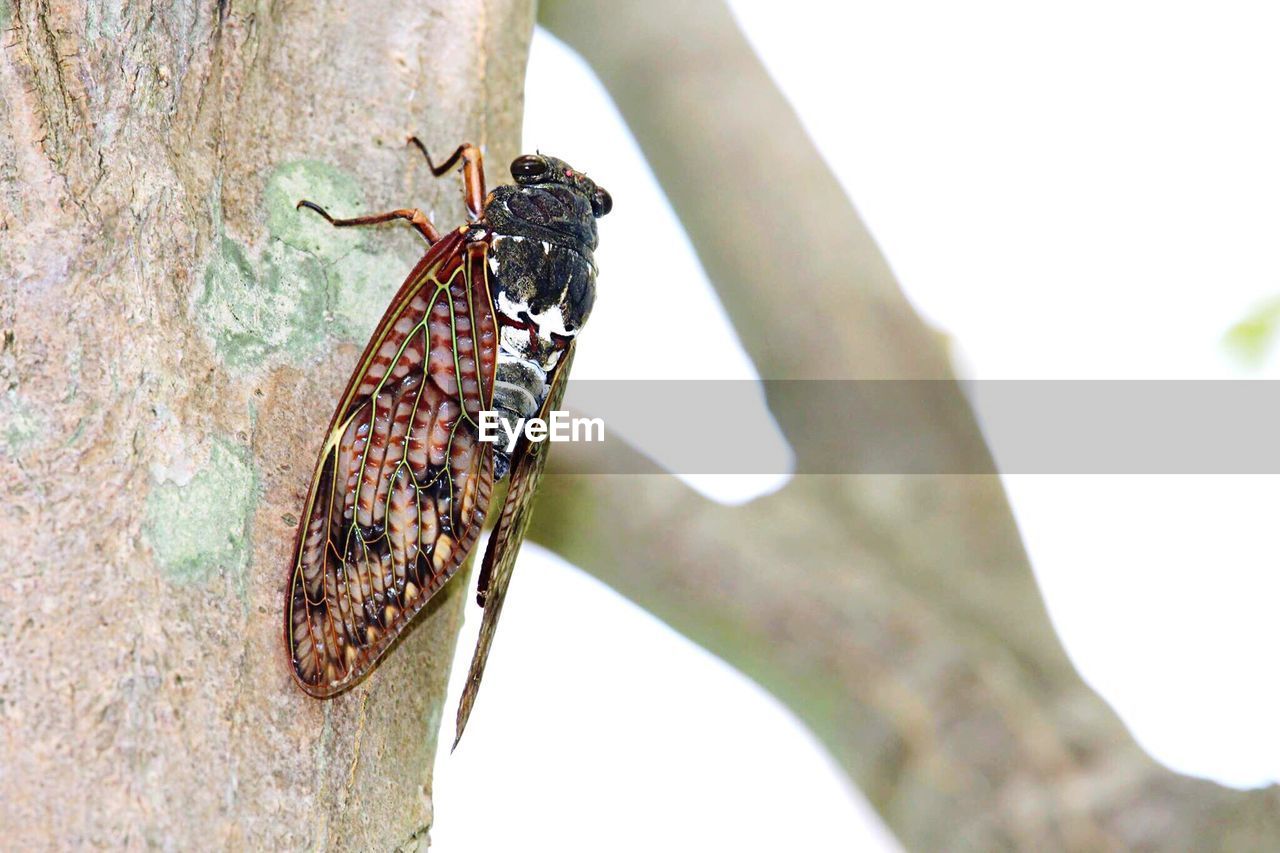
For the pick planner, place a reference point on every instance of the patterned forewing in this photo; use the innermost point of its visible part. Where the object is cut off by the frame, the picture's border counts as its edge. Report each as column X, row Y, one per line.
column 402, row 485
column 504, row 543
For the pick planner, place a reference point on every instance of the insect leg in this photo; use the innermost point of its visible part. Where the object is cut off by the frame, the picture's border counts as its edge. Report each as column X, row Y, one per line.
column 472, row 172
column 414, row 217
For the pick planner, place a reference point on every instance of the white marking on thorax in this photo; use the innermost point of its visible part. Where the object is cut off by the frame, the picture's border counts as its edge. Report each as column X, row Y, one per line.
column 549, row 321
column 514, row 343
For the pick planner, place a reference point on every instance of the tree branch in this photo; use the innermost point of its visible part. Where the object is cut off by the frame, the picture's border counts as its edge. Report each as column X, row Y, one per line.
column 897, row 615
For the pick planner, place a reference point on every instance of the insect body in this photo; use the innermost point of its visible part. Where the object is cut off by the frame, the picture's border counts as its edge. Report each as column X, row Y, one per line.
column 486, row 321
column 543, row 273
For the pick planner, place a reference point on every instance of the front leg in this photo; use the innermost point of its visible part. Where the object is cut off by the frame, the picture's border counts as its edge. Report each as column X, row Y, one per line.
column 472, row 173
column 413, row 216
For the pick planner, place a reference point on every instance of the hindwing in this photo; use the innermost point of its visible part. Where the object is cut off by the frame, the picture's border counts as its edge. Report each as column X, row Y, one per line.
column 504, row 542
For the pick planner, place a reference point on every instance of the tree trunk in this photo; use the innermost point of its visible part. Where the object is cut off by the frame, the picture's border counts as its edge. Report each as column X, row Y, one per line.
column 175, row 336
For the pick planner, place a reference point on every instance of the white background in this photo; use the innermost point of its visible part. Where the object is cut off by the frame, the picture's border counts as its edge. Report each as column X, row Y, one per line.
column 1088, row 190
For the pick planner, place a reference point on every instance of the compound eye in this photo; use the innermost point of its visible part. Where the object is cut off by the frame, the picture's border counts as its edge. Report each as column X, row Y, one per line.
column 601, row 203
column 528, row 166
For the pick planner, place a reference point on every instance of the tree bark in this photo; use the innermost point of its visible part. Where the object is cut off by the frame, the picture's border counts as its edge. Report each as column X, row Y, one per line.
column 896, row 615
column 175, row 336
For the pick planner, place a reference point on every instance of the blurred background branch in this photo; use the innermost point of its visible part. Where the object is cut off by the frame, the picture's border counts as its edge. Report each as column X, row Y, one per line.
column 898, row 616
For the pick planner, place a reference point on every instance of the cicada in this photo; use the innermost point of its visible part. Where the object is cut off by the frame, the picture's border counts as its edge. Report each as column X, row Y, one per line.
column 485, row 322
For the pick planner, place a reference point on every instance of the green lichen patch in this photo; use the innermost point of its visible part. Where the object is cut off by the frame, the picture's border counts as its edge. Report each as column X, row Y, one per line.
column 201, row 529
column 306, row 230
column 20, row 424
column 363, row 284
column 363, row 272
column 311, row 281
column 251, row 311
column 299, row 281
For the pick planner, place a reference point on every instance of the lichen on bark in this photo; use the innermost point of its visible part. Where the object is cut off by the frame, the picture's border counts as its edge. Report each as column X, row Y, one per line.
column 254, row 307
column 200, row 527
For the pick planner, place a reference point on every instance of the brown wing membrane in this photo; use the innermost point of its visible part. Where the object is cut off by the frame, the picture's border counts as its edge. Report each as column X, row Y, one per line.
column 402, row 485
column 504, row 543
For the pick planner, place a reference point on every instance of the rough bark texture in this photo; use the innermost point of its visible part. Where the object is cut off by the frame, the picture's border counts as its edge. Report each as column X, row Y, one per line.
column 897, row 615
column 174, row 338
